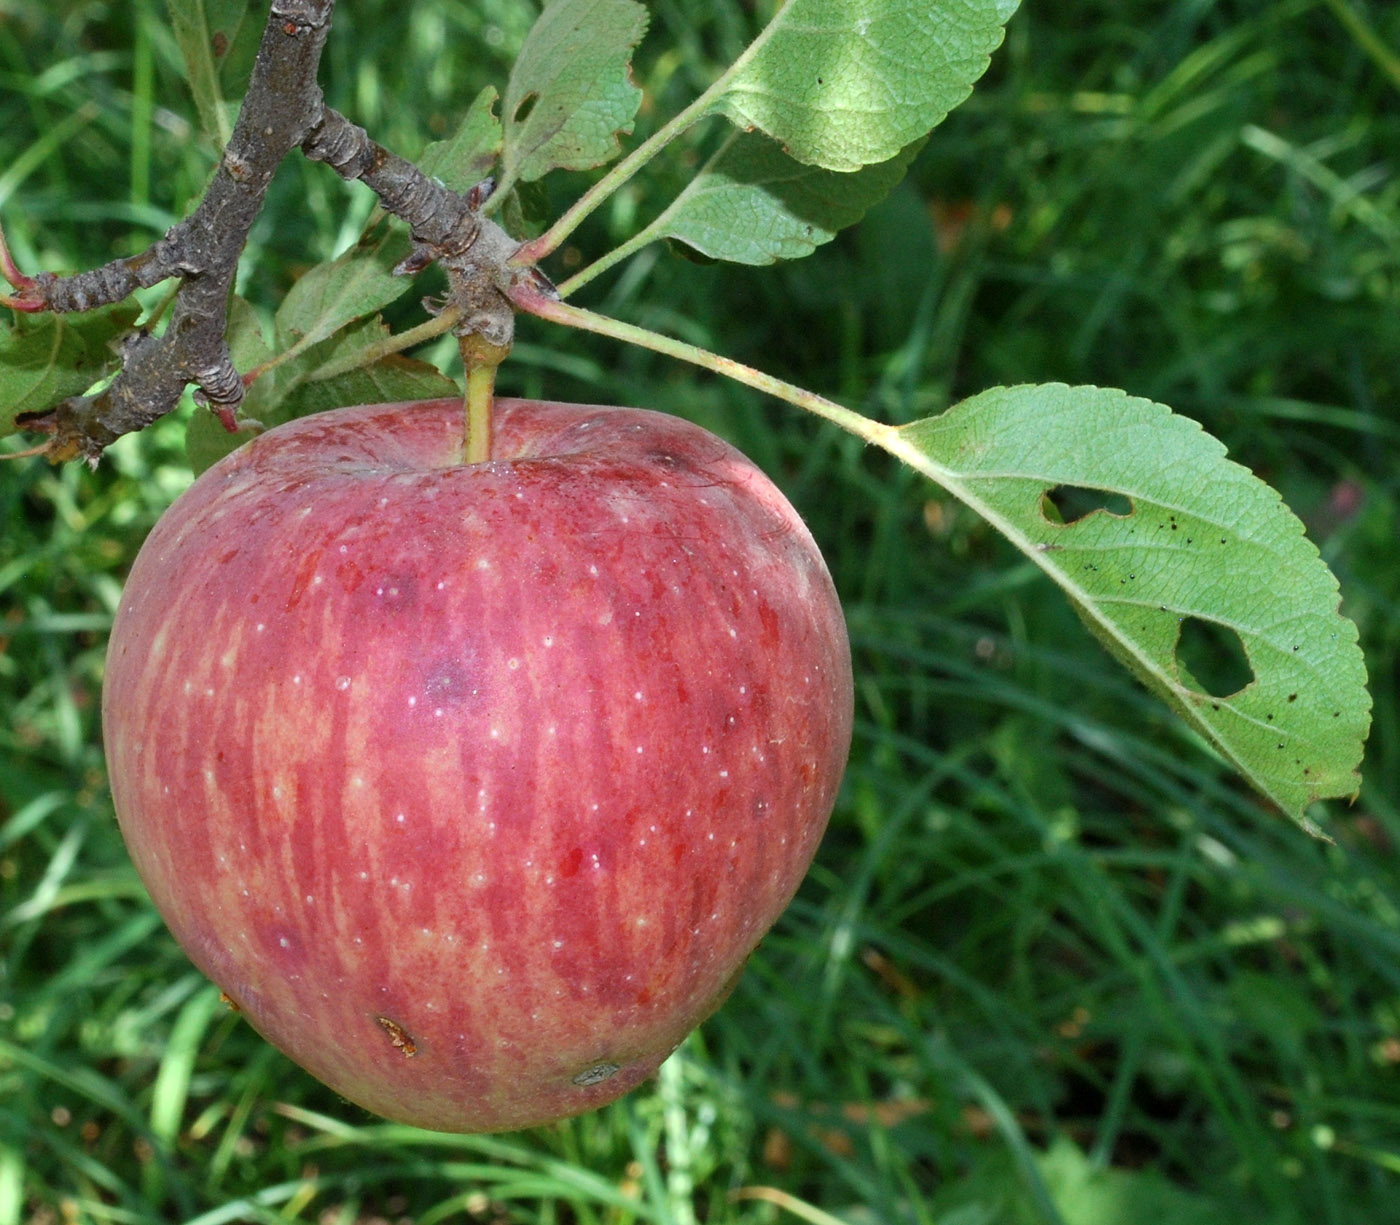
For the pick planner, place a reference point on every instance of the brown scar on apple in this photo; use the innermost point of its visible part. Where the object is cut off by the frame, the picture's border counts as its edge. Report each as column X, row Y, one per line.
column 596, row 1074
column 226, row 999
column 398, row 1036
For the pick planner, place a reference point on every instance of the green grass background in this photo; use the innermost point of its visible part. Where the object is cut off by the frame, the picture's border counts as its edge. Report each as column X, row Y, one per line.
column 1053, row 963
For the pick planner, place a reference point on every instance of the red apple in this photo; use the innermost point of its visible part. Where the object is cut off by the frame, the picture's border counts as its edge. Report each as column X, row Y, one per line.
column 474, row 785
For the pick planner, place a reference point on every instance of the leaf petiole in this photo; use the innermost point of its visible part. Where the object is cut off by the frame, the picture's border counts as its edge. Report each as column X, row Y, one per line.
column 533, row 301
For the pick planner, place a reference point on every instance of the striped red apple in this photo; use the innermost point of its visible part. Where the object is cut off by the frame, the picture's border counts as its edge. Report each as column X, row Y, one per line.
column 474, row 785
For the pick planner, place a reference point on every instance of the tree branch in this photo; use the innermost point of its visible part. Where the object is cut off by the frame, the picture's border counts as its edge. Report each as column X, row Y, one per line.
column 283, row 110
column 282, row 106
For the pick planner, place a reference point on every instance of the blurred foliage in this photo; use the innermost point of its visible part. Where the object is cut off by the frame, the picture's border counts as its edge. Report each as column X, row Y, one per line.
column 1053, row 963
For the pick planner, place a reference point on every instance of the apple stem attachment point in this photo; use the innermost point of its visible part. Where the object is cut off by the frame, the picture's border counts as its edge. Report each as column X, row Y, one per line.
column 480, row 357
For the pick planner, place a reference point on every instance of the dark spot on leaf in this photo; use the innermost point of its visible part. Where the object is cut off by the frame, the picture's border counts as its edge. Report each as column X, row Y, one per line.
column 1292, row 697
column 219, row 44
column 1068, row 504
column 1211, row 658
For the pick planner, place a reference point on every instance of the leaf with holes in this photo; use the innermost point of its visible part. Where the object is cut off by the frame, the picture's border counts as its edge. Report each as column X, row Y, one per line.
column 570, row 93
column 1138, row 516
column 753, row 204
column 849, row 83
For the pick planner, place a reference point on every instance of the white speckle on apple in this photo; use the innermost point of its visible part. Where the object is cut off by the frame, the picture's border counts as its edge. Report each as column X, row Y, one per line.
column 364, row 876
column 342, row 683
column 638, row 696
column 549, row 640
column 310, row 900
column 189, row 686
column 296, row 680
column 559, row 944
column 284, row 942
column 483, row 563
column 261, row 627
column 437, row 714
column 413, row 700
column 398, row 816
column 513, row 663
column 209, row 693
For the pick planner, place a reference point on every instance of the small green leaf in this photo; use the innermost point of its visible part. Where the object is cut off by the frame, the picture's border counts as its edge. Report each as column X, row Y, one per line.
column 1193, row 536
column 217, row 39
column 355, row 284
column 570, row 92
column 465, row 158
column 753, row 204
column 46, row 358
column 321, row 377
column 849, row 83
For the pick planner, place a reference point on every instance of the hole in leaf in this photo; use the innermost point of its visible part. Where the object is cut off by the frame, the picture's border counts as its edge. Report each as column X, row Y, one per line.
column 1211, row 658
column 1071, row 503
column 527, row 104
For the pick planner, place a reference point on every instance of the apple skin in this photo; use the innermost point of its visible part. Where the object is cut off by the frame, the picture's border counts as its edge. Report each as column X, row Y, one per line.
column 473, row 786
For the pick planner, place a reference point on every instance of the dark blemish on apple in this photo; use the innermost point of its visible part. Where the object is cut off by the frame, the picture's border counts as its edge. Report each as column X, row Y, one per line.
column 449, row 684
column 350, row 576
column 571, row 863
column 398, row 1036
column 597, row 1074
column 305, row 573
column 229, row 1002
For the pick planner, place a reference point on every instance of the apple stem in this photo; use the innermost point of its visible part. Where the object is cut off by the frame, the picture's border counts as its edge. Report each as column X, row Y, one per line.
column 481, row 358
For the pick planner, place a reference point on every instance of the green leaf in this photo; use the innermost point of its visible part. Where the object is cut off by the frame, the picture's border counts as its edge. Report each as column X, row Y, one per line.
column 753, row 204
column 465, row 158
column 1193, row 535
column 46, row 358
column 355, row 284
column 570, row 93
column 849, row 83
column 321, row 377
column 218, row 39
